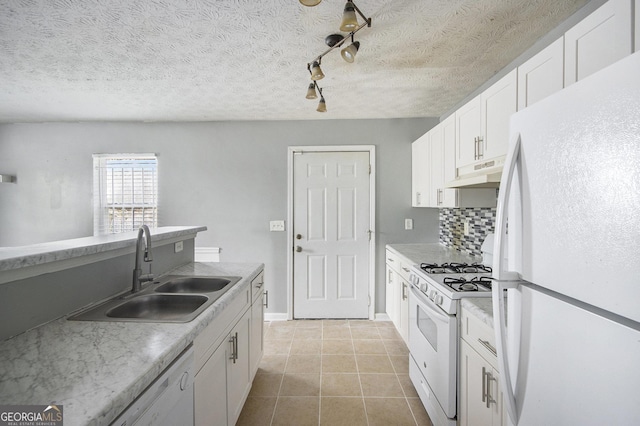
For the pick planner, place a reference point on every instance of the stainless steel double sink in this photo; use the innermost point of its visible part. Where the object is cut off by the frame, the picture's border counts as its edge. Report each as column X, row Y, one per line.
column 174, row 298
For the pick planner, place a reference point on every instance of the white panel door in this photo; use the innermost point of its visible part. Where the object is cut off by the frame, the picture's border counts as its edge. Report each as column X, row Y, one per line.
column 331, row 235
column 597, row 41
column 541, row 75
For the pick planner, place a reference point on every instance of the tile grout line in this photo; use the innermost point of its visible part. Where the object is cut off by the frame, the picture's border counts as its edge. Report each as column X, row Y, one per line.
column 364, row 404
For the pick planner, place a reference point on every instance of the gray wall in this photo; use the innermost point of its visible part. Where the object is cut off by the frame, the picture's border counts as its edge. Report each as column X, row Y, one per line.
column 229, row 176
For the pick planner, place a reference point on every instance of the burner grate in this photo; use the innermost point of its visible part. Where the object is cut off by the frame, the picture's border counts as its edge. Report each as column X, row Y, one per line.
column 454, row 268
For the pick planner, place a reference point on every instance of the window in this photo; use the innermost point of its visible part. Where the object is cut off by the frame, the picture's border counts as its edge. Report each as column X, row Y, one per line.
column 125, row 192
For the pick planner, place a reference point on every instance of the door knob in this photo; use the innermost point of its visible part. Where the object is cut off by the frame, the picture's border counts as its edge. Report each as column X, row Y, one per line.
column 298, row 249
column 298, row 236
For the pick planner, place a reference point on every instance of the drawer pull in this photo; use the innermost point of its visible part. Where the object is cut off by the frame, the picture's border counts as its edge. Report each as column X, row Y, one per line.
column 488, row 346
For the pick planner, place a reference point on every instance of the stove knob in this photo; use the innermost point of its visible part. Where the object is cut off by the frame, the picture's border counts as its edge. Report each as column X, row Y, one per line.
column 439, row 299
column 432, row 295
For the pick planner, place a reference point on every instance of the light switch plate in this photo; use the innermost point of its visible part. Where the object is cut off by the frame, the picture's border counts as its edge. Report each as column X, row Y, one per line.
column 276, row 225
column 178, row 247
column 408, row 224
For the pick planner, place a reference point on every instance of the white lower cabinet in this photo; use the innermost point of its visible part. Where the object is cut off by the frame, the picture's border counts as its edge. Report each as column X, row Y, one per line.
column 228, row 352
column 480, row 402
column 238, row 374
column 397, row 288
column 210, row 390
column 257, row 324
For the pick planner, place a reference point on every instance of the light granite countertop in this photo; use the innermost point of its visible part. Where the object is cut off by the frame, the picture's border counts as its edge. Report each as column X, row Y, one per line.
column 480, row 307
column 56, row 251
column 431, row 252
column 96, row 369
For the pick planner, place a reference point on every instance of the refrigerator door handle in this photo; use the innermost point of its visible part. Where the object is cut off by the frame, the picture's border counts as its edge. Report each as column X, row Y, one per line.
column 513, row 156
column 504, row 279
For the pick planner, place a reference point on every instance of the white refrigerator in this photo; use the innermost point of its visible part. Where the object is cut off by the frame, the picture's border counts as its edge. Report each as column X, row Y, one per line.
column 569, row 282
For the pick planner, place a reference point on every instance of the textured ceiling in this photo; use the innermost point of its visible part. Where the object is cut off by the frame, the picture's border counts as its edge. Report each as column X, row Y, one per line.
column 209, row 60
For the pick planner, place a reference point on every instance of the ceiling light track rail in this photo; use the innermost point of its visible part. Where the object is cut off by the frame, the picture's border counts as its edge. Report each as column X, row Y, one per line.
column 334, row 41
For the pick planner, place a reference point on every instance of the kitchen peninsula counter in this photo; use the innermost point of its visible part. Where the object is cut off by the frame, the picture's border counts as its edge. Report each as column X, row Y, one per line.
column 95, row 369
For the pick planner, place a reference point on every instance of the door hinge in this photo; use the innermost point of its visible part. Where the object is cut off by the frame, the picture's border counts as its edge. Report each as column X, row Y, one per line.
column 369, row 232
column 369, row 303
column 369, row 168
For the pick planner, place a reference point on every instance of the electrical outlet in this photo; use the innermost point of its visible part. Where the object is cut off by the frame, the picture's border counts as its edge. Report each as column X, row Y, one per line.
column 466, row 228
column 276, row 225
column 408, row 224
column 178, row 247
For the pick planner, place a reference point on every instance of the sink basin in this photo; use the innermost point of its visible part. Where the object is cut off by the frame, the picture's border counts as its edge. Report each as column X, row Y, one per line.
column 196, row 284
column 173, row 298
column 161, row 307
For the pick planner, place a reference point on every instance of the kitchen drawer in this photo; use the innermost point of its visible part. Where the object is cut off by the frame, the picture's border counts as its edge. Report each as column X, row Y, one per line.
column 392, row 260
column 256, row 286
column 479, row 335
column 400, row 264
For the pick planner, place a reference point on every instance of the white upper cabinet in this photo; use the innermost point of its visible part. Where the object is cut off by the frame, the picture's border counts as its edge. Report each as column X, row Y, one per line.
column 541, row 75
column 420, row 176
column 468, row 128
column 600, row 39
column 435, row 155
column 482, row 126
column 436, row 144
column 499, row 102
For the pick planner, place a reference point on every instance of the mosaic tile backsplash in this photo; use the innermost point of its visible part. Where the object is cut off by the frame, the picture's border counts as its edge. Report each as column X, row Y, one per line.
column 481, row 222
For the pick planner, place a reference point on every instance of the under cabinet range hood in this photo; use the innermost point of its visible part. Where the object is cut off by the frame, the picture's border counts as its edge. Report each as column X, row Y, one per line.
column 483, row 174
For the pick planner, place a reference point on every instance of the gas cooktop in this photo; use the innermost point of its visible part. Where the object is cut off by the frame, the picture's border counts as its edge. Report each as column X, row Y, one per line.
column 454, row 268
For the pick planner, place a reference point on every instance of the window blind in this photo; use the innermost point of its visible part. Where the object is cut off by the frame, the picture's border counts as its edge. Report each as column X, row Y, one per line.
column 125, row 192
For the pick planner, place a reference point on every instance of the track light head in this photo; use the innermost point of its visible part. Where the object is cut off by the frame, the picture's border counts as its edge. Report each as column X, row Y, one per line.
column 322, row 106
column 311, row 91
column 349, row 19
column 316, row 72
column 349, row 52
column 310, row 3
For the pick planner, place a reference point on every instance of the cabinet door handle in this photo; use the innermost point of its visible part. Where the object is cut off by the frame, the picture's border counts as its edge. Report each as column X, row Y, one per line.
column 406, row 269
column 490, row 400
column 475, row 148
column 418, row 202
column 234, row 347
column 266, row 299
column 487, row 378
column 487, row 345
column 484, row 385
column 404, row 291
column 480, row 147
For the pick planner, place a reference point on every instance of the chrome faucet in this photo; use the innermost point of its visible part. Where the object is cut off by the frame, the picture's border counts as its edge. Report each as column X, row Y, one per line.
column 138, row 277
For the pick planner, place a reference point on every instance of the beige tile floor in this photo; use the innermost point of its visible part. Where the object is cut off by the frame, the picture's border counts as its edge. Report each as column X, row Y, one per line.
column 333, row 372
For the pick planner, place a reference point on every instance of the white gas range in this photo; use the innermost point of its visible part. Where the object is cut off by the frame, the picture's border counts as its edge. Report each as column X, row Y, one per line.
column 434, row 303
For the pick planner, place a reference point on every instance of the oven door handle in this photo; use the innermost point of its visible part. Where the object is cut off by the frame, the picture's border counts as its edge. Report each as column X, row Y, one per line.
column 431, row 308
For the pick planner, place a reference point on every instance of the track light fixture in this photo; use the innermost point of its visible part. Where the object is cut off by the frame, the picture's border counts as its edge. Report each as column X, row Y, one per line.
column 334, row 41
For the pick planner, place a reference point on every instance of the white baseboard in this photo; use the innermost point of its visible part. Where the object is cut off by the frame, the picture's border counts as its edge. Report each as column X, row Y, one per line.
column 282, row 316
column 207, row 254
column 382, row 317
column 275, row 316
